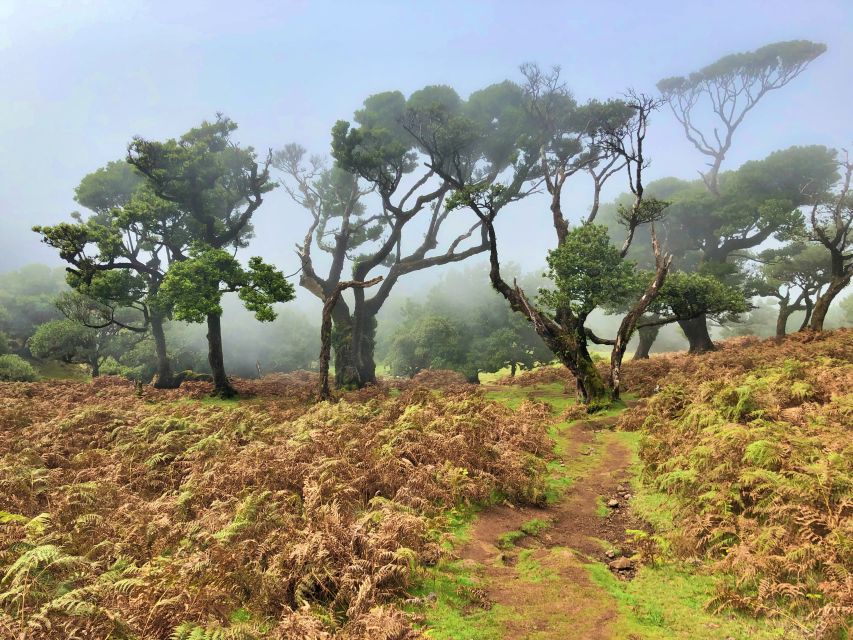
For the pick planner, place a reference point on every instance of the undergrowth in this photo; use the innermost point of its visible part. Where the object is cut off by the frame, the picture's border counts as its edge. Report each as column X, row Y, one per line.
column 156, row 517
column 757, row 466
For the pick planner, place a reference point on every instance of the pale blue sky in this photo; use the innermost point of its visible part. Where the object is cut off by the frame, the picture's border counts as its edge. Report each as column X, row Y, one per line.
column 80, row 78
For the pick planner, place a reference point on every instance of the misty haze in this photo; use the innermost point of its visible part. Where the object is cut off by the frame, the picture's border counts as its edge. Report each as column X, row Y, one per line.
column 391, row 321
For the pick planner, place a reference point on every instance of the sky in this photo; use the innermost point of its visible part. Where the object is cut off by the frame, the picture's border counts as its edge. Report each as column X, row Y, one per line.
column 80, row 78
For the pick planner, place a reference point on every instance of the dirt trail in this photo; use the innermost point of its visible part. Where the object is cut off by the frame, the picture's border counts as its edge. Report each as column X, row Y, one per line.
column 540, row 579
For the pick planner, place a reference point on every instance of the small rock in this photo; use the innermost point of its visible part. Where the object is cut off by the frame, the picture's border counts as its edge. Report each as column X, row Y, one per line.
column 621, row 564
column 613, row 503
column 610, row 553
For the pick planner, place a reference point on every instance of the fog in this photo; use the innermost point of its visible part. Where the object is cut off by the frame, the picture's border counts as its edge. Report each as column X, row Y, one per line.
column 82, row 80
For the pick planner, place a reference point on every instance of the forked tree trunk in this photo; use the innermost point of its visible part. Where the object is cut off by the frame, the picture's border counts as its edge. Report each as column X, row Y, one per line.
column 164, row 378
column 221, row 386
column 696, row 331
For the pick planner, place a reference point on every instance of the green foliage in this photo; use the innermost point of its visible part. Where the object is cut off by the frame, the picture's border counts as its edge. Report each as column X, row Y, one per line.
column 64, row 340
column 587, row 272
column 14, row 368
column 776, row 59
column 194, row 287
column 688, row 295
column 215, row 183
column 27, row 300
column 760, row 472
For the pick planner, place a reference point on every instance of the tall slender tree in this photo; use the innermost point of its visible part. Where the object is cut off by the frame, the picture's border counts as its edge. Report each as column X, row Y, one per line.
column 710, row 104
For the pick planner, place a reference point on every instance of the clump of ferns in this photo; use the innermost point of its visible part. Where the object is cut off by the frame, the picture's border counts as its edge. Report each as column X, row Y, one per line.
column 762, row 466
column 44, row 587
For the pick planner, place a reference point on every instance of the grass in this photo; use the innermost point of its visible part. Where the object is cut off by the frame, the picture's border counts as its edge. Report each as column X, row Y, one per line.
column 668, row 602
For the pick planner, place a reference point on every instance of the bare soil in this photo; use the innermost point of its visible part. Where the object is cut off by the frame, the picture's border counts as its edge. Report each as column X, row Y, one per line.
column 563, row 602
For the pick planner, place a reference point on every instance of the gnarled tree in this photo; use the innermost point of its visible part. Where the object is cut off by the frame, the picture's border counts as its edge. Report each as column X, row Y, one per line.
column 217, row 185
column 830, row 218
column 367, row 209
column 565, row 139
column 710, row 104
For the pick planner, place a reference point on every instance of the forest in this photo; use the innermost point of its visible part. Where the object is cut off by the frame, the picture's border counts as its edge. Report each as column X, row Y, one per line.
column 417, row 432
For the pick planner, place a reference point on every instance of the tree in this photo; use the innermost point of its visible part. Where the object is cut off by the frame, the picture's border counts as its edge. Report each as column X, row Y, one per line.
column 120, row 253
column 88, row 334
column 194, row 287
column 566, row 140
column 710, row 104
column 795, row 275
column 27, row 300
column 831, row 217
column 759, row 201
column 470, row 330
column 368, row 208
column 217, row 186
column 689, row 295
column 428, row 342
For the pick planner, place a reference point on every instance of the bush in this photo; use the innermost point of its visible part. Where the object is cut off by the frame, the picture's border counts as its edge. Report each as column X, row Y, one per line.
column 15, row 369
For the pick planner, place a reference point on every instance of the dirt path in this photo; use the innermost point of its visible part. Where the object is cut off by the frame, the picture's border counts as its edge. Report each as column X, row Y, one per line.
column 537, row 579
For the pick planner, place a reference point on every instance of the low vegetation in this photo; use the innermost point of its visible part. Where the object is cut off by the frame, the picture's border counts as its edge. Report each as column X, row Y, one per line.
column 758, row 461
column 164, row 515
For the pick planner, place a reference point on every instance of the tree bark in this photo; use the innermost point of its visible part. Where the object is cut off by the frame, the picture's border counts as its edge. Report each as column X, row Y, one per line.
column 696, row 331
column 647, row 337
column 364, row 346
column 164, row 378
column 512, row 368
column 782, row 320
column 821, row 307
column 221, row 386
column 96, row 367
column 346, row 372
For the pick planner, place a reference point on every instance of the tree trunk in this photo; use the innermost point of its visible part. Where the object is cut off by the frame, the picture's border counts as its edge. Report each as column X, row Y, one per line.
column 346, row 372
column 325, row 349
column 782, row 320
column 350, row 337
column 696, row 331
column 647, row 337
column 590, row 384
column 164, row 378
column 512, row 367
column 221, row 386
column 821, row 307
column 808, row 315
column 96, row 367
column 364, row 347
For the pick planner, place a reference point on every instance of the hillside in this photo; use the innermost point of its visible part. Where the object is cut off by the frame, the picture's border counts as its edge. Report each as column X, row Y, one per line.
column 721, row 503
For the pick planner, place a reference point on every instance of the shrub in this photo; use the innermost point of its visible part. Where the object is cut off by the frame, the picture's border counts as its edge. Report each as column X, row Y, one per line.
column 15, row 369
